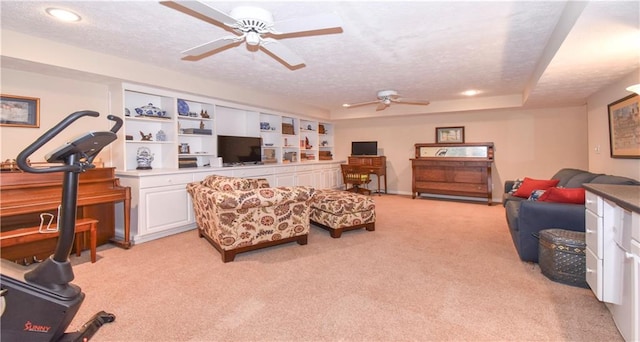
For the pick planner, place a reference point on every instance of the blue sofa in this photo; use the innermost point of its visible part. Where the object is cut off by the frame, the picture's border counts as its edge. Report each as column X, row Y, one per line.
column 526, row 218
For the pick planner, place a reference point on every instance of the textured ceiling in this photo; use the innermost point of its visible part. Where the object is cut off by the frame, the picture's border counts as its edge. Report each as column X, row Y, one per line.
column 431, row 50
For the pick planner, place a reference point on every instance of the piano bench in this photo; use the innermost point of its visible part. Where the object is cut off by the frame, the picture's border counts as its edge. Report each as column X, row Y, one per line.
column 31, row 234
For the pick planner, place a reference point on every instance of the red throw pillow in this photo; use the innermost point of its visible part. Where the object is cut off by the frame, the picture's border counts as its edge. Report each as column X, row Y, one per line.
column 563, row 195
column 529, row 185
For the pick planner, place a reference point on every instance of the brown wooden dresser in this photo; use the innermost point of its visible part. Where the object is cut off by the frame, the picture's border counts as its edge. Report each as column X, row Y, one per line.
column 453, row 169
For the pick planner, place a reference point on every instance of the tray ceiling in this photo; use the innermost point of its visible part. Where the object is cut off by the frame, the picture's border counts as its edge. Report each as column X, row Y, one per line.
column 541, row 53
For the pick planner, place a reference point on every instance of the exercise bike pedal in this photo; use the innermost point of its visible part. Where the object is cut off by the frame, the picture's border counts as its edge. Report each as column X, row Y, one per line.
column 87, row 330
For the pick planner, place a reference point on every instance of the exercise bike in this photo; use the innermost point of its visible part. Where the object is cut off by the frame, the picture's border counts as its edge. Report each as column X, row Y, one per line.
column 39, row 303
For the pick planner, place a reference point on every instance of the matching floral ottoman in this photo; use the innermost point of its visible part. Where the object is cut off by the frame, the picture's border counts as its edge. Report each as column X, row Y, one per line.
column 337, row 211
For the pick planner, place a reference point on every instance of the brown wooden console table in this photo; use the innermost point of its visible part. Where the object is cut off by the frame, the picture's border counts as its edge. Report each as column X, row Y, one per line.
column 377, row 165
column 453, row 169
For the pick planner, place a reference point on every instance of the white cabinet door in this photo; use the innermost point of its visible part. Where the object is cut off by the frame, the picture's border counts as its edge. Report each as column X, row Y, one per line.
column 163, row 209
column 285, row 179
column 635, row 286
column 305, row 179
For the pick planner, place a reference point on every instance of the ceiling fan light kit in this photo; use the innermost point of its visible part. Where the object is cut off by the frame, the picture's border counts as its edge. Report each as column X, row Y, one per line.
column 385, row 98
column 252, row 17
column 250, row 24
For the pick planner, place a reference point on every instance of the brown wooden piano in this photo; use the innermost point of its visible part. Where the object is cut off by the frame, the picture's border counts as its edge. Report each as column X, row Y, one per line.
column 24, row 196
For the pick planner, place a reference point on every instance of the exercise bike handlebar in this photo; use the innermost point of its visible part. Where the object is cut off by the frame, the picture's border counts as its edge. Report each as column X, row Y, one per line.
column 118, row 123
column 50, row 134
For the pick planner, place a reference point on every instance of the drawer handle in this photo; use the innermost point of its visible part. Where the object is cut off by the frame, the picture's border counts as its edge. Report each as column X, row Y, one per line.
column 590, row 270
column 589, row 231
column 589, row 202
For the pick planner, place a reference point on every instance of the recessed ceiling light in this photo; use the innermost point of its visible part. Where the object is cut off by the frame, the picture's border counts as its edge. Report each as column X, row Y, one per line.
column 63, row 15
column 470, row 92
column 634, row 88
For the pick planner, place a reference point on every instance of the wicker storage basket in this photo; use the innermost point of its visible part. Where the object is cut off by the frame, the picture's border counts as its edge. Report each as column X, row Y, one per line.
column 561, row 256
column 287, row 128
column 325, row 155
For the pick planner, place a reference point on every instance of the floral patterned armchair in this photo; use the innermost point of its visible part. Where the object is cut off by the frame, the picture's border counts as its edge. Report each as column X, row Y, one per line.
column 238, row 214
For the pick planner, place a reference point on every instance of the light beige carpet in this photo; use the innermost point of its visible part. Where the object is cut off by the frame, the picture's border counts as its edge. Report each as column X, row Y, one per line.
column 432, row 271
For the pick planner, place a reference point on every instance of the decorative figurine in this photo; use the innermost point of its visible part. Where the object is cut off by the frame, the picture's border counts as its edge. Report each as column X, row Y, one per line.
column 201, row 124
column 204, row 114
column 144, row 158
column 146, row 137
column 161, row 136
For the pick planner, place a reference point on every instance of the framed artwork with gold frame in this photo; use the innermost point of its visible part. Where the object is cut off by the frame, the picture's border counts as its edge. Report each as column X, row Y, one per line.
column 624, row 127
column 20, row 111
column 449, row 135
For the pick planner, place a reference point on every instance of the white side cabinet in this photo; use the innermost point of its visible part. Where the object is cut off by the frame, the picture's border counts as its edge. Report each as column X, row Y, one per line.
column 160, row 205
column 612, row 218
column 600, row 248
column 635, row 250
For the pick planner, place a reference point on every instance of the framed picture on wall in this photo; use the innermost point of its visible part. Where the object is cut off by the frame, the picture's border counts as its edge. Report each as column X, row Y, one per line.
column 624, row 128
column 449, row 135
column 20, row 111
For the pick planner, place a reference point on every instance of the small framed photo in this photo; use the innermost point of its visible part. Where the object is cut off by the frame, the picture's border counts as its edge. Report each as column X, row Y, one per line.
column 184, row 148
column 20, row 111
column 450, row 135
column 624, row 127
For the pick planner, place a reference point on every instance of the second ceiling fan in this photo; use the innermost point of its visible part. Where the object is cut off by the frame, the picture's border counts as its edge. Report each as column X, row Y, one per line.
column 256, row 27
column 385, row 98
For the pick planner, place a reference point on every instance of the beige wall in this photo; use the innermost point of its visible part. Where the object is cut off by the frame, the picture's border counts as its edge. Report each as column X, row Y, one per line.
column 59, row 97
column 598, row 116
column 534, row 143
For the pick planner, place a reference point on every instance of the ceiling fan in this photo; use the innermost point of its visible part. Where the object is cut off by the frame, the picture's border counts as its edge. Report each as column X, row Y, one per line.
column 256, row 27
column 385, row 98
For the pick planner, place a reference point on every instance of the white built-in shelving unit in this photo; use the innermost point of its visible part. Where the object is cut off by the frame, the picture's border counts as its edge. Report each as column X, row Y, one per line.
column 189, row 127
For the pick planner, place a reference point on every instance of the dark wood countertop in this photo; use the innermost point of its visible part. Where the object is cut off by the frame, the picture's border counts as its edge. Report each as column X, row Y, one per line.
column 626, row 196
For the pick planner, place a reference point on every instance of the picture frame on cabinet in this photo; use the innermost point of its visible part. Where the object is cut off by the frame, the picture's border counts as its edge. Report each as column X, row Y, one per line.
column 452, row 135
column 184, row 148
column 20, row 111
column 269, row 156
column 624, row 127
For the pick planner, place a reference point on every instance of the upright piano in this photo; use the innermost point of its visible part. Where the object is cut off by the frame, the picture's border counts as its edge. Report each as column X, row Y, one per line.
column 24, row 196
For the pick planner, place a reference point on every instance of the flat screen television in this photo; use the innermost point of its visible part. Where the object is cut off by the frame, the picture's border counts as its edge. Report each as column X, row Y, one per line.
column 239, row 150
column 364, row 148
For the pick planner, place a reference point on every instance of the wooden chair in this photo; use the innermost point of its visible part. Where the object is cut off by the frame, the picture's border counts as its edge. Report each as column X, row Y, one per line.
column 357, row 177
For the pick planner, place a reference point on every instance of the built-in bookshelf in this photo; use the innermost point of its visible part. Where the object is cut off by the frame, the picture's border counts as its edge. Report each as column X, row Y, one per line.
column 180, row 130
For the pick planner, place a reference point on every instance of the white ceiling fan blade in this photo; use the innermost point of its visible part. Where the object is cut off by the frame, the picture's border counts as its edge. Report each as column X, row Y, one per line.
column 203, row 9
column 411, row 101
column 212, row 45
column 351, row 105
column 312, row 23
column 382, row 106
column 282, row 52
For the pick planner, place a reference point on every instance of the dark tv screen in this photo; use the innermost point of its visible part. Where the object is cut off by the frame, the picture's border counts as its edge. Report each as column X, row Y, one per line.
column 364, row 148
column 235, row 150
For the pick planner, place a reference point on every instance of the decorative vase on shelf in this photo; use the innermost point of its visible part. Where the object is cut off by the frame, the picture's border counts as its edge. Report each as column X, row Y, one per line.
column 144, row 158
column 150, row 110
